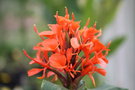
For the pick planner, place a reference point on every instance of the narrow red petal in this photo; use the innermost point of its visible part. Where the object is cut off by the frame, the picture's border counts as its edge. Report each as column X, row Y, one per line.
column 72, row 75
column 69, row 54
column 36, row 61
column 87, row 23
column 50, row 74
column 73, row 16
column 35, row 28
column 92, row 78
column 101, row 71
column 54, row 78
column 66, row 12
column 49, row 34
column 43, row 75
column 32, row 62
column 34, row 71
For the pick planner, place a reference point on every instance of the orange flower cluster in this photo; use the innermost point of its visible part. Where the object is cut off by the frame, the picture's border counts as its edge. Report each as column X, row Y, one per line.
column 69, row 53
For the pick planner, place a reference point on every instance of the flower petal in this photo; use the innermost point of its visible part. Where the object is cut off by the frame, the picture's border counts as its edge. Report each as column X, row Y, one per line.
column 74, row 42
column 50, row 44
column 66, row 13
column 87, row 70
column 49, row 74
column 90, row 33
column 101, row 71
column 34, row 71
column 97, row 46
column 32, row 62
column 43, row 75
column 48, row 34
column 57, row 60
column 102, row 63
column 69, row 54
column 92, row 78
column 74, row 25
column 36, row 61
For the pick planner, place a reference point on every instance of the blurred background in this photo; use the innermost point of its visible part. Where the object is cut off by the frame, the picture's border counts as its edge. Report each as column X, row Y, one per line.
column 116, row 18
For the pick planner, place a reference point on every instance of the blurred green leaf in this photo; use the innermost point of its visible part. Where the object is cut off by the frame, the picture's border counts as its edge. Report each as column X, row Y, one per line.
column 46, row 85
column 116, row 43
column 98, row 79
column 107, row 87
column 81, row 85
column 51, row 6
column 101, row 11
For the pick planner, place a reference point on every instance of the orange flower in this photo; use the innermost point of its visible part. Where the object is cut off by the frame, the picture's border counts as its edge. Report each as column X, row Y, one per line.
column 57, row 60
column 58, row 55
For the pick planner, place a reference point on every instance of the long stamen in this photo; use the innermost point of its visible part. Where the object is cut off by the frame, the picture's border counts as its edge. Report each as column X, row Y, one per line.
column 87, row 23
column 73, row 16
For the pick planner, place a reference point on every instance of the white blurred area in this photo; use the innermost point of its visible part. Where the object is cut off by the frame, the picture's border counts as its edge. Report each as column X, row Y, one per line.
column 121, row 68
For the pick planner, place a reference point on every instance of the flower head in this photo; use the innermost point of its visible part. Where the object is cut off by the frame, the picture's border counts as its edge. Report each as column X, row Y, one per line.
column 59, row 54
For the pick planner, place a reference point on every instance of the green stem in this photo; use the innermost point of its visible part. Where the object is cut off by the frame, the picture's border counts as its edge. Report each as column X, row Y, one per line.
column 60, row 76
column 75, row 84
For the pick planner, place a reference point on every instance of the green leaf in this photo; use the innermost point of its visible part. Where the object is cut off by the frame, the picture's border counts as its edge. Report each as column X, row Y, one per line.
column 98, row 79
column 51, row 6
column 81, row 85
column 108, row 87
column 116, row 43
column 46, row 85
column 101, row 11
